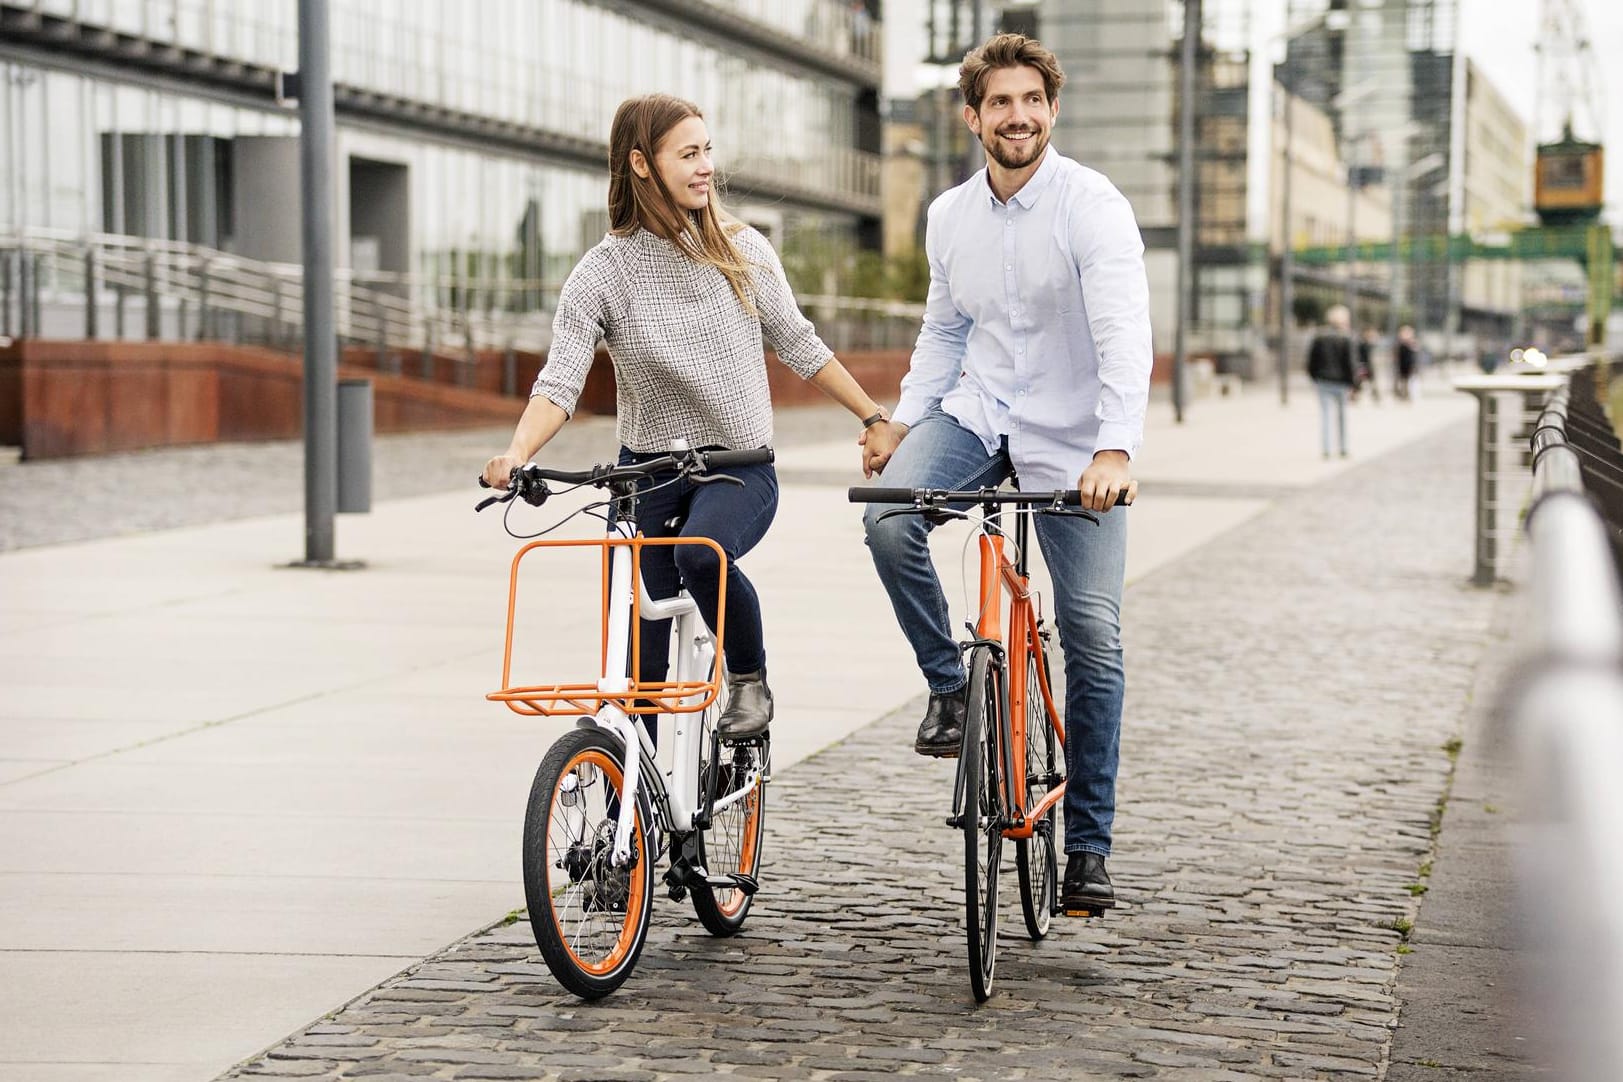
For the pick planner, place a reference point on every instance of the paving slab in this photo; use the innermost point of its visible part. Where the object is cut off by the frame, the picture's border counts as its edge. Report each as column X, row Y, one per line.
column 1275, row 808
column 206, row 757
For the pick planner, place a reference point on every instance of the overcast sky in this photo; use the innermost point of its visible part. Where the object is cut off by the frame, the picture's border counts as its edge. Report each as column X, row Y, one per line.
column 1499, row 34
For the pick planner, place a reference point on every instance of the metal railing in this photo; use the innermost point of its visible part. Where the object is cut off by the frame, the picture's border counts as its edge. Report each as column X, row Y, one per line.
column 848, row 324
column 1566, row 709
column 1507, row 405
column 100, row 285
column 108, row 285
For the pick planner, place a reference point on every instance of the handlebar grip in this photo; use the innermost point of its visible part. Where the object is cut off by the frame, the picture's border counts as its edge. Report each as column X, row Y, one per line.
column 864, row 494
column 720, row 460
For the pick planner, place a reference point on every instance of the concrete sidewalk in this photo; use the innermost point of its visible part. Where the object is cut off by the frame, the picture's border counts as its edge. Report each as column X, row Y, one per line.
column 236, row 796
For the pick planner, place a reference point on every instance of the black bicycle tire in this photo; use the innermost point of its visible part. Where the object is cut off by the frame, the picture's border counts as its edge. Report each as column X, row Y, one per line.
column 980, row 822
column 539, row 870
column 1038, row 895
column 718, row 918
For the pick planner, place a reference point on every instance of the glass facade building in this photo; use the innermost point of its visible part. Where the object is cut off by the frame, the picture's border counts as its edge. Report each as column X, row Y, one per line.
column 472, row 138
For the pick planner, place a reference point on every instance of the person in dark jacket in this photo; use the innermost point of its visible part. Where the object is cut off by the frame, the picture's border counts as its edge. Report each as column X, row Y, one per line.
column 1408, row 362
column 1364, row 374
column 1332, row 365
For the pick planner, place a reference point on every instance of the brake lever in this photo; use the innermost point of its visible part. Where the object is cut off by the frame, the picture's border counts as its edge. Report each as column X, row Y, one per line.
column 1069, row 513
column 488, row 500
column 936, row 515
column 712, row 478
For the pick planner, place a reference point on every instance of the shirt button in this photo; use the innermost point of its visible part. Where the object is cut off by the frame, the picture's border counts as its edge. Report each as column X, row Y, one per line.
column 1008, row 266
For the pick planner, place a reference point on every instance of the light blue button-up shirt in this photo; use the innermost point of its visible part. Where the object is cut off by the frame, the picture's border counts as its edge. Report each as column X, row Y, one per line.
column 1037, row 325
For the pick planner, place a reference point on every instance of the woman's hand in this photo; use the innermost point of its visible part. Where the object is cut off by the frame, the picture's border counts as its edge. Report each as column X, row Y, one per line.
column 878, row 443
column 499, row 469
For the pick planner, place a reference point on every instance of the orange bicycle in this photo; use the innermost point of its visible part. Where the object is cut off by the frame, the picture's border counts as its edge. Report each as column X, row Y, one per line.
column 1011, row 771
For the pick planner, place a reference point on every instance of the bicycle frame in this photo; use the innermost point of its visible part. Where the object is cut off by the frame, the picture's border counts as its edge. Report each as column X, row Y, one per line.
column 997, row 573
column 673, row 795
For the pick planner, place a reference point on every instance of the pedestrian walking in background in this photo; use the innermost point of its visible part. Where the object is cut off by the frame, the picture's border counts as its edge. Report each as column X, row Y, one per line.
column 1364, row 375
column 1408, row 363
column 1332, row 365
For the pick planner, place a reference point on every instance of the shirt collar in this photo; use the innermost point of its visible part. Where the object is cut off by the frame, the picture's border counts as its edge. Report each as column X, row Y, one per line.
column 1026, row 197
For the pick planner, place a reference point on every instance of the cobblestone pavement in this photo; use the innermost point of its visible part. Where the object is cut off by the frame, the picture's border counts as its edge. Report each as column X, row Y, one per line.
column 1290, row 689
column 78, row 499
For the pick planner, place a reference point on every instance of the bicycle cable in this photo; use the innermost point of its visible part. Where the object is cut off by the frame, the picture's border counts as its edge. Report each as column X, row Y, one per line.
column 589, row 509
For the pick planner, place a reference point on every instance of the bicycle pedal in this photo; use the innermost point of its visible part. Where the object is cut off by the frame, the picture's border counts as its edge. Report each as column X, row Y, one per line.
column 747, row 884
column 1079, row 912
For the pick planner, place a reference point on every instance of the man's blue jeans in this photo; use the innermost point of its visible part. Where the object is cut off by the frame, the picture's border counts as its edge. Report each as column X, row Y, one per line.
column 1087, row 564
column 1332, row 404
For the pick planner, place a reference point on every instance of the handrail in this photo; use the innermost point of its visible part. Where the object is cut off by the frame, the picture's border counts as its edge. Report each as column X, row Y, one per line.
column 389, row 310
column 1566, row 709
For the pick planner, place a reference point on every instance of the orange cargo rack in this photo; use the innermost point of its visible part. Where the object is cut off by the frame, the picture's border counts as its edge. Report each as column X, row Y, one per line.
column 651, row 697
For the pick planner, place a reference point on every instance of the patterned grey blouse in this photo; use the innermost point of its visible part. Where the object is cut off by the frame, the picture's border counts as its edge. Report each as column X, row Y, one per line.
column 689, row 361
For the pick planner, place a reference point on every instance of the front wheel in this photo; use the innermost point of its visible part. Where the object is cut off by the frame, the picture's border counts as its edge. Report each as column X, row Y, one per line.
column 590, row 917
column 1034, row 857
column 981, row 816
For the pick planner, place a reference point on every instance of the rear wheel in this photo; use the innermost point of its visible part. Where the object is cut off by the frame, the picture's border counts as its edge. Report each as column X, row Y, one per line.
column 590, row 917
column 1034, row 857
column 731, row 844
column 981, row 817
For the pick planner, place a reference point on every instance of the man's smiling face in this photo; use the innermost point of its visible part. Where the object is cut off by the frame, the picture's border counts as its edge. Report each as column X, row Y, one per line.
column 1016, row 118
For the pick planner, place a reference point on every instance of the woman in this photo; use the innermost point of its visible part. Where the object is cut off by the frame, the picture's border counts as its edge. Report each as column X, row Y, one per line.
column 685, row 298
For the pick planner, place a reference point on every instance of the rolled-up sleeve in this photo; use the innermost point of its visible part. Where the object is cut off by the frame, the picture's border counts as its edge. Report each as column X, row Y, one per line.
column 938, row 354
column 784, row 327
column 577, row 327
column 1115, row 291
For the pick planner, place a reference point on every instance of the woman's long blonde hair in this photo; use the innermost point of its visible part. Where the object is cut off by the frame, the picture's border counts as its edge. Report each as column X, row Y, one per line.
column 705, row 235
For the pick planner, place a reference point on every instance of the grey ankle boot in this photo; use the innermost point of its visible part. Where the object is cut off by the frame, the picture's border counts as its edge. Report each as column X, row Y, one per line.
column 749, row 706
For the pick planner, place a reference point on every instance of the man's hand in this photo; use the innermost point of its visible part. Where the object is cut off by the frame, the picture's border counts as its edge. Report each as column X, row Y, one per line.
column 878, row 443
column 1108, row 475
column 500, row 468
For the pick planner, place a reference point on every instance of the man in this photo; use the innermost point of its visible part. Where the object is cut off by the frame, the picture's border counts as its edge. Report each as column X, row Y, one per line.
column 1333, row 369
column 1033, row 362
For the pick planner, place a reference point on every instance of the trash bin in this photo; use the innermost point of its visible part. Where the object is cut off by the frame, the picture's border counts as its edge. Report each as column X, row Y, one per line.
column 354, row 445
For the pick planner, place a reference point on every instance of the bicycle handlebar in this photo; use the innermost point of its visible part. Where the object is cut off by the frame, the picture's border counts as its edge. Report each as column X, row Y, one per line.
column 934, row 497
column 529, row 482
column 697, row 461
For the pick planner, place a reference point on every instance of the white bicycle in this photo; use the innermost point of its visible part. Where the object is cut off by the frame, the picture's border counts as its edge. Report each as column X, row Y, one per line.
column 600, row 818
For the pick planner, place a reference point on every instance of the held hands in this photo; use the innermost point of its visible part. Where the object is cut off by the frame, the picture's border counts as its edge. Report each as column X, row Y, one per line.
column 500, row 468
column 878, row 443
column 1109, row 474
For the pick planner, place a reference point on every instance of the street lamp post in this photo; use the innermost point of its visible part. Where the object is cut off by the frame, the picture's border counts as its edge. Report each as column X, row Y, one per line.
column 320, row 342
column 1186, row 200
column 1351, row 299
column 1287, row 258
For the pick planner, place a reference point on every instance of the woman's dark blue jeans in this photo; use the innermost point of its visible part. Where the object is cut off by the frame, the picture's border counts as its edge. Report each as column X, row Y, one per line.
column 734, row 517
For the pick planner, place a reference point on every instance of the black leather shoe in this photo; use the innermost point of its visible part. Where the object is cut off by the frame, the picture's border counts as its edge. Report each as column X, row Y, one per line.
column 749, row 706
column 1087, row 891
column 942, row 730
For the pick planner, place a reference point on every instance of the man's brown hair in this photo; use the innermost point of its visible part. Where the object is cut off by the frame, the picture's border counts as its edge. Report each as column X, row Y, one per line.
column 1007, row 51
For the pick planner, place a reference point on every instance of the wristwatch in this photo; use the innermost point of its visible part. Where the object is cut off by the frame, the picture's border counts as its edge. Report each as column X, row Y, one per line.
column 869, row 422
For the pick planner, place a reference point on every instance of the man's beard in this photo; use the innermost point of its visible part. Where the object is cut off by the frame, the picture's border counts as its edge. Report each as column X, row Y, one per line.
column 1015, row 157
